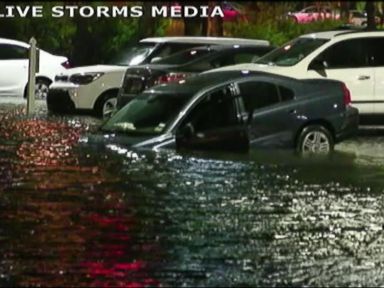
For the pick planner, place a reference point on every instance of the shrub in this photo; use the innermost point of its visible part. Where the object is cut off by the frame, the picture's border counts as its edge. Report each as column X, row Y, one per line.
column 277, row 31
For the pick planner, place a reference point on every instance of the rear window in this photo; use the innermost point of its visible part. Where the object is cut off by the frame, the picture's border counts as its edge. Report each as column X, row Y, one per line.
column 134, row 55
column 292, row 52
column 260, row 94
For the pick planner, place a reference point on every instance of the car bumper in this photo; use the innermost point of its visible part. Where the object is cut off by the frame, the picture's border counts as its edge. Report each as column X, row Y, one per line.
column 58, row 100
column 350, row 125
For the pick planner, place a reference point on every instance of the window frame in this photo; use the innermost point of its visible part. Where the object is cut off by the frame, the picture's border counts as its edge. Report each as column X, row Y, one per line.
column 321, row 55
column 14, row 46
column 278, row 83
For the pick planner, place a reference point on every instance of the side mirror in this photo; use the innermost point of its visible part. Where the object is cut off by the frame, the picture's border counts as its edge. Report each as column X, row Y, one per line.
column 317, row 65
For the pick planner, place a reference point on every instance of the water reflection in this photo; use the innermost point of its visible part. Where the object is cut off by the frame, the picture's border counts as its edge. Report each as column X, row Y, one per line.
column 75, row 216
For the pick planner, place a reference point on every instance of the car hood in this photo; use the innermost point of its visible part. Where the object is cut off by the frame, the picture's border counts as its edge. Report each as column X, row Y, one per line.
column 104, row 139
column 94, row 68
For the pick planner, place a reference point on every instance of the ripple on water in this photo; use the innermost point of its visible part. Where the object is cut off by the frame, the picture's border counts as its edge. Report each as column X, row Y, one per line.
column 73, row 216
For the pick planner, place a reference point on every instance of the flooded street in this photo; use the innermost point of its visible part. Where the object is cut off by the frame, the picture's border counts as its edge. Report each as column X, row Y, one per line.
column 78, row 216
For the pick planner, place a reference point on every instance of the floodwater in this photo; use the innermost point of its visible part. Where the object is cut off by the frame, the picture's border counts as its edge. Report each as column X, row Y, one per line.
column 75, row 216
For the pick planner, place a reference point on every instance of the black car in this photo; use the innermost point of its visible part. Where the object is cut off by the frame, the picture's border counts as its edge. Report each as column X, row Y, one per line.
column 184, row 64
column 235, row 111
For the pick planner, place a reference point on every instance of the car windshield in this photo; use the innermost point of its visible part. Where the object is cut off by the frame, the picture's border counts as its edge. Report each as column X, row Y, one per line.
column 292, row 52
column 184, row 56
column 148, row 114
column 134, row 55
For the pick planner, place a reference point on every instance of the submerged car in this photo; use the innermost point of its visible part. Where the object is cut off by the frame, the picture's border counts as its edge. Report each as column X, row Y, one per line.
column 185, row 64
column 94, row 88
column 234, row 111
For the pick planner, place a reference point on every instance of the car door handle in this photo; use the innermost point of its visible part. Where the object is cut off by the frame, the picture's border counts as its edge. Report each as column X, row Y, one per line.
column 292, row 111
column 364, row 77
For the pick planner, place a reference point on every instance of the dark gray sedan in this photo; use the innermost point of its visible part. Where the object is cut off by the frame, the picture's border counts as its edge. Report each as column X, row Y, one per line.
column 235, row 111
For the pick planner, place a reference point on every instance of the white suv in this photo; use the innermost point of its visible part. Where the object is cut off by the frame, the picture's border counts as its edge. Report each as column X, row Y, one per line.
column 96, row 87
column 14, row 69
column 353, row 57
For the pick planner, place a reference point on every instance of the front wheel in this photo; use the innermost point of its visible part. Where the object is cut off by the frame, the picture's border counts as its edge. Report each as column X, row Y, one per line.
column 106, row 105
column 315, row 139
column 42, row 89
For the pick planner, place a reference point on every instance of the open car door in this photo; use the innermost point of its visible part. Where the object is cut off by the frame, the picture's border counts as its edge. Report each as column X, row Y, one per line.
column 214, row 123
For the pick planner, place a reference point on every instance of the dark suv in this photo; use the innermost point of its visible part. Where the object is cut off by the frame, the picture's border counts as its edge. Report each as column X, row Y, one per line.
column 236, row 111
column 185, row 64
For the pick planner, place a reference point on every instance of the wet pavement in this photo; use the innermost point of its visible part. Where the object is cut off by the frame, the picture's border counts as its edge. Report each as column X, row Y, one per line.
column 75, row 216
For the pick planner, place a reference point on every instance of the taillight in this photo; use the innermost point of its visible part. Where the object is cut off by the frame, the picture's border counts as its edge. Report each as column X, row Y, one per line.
column 66, row 64
column 170, row 77
column 346, row 95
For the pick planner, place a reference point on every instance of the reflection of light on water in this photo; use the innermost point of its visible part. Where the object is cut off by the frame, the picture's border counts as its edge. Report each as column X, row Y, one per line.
column 367, row 152
column 199, row 221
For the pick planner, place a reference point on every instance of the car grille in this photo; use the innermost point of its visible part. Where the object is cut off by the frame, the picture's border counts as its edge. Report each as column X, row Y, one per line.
column 61, row 78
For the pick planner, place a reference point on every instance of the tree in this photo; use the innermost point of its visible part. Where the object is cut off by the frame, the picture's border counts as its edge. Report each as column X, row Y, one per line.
column 344, row 10
column 196, row 26
column 370, row 8
column 147, row 24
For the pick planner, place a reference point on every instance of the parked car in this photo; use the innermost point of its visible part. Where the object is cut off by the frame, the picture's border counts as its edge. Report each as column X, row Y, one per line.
column 353, row 57
column 360, row 18
column 185, row 64
column 95, row 88
column 313, row 13
column 233, row 12
column 14, row 69
column 235, row 111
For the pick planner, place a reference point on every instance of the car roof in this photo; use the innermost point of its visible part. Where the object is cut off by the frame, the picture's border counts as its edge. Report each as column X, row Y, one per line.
column 227, row 47
column 335, row 33
column 200, row 82
column 205, row 40
column 13, row 42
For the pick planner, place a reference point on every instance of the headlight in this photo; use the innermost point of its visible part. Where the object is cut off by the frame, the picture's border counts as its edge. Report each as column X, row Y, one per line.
column 85, row 78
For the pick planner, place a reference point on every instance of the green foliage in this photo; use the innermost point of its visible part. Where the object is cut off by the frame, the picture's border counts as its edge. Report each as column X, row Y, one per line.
column 83, row 40
column 277, row 31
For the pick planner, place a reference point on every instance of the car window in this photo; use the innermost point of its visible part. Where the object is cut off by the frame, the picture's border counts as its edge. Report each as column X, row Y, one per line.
column 168, row 49
column 184, row 56
column 216, row 110
column 351, row 53
column 148, row 113
column 257, row 95
column 12, row 52
column 292, row 52
column 134, row 55
column 286, row 94
column 245, row 57
column 310, row 10
column 207, row 63
column 376, row 48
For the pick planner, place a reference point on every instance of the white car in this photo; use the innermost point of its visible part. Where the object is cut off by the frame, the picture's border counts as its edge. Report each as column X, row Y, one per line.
column 96, row 87
column 353, row 57
column 360, row 18
column 14, row 69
